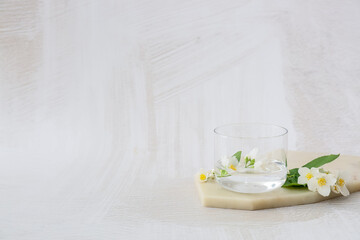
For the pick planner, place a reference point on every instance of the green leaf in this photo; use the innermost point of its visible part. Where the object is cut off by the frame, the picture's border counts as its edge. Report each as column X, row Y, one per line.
column 223, row 173
column 293, row 184
column 252, row 162
column 238, row 155
column 292, row 179
column 318, row 162
column 249, row 163
column 294, row 171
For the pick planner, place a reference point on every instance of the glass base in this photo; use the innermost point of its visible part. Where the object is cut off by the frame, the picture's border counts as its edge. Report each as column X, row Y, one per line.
column 255, row 185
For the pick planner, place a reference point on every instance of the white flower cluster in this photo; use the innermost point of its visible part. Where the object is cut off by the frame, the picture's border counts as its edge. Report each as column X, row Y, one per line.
column 206, row 175
column 232, row 164
column 322, row 181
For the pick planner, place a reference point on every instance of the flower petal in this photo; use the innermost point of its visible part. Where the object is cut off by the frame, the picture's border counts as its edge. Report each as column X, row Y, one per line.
column 312, row 184
column 330, row 179
column 203, row 177
column 303, row 171
column 335, row 189
column 344, row 175
column 324, row 191
column 233, row 161
column 302, row 180
column 344, row 191
column 314, row 171
column 252, row 154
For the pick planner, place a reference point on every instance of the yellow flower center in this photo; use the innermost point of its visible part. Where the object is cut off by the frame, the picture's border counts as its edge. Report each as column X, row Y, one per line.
column 309, row 176
column 341, row 182
column 321, row 181
column 336, row 189
column 202, row 177
column 233, row 167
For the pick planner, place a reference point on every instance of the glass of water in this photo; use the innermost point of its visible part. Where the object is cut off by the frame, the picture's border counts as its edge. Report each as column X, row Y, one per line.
column 250, row 157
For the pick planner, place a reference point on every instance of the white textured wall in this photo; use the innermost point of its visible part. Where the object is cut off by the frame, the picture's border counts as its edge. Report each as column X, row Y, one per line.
column 107, row 107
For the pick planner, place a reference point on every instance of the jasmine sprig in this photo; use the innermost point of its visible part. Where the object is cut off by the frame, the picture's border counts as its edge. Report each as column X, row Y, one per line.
column 323, row 182
column 231, row 164
column 293, row 175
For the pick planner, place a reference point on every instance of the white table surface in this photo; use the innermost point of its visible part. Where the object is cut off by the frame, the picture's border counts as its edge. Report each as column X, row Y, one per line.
column 124, row 200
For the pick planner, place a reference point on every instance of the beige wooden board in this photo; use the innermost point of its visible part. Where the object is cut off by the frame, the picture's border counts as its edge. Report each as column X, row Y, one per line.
column 213, row 195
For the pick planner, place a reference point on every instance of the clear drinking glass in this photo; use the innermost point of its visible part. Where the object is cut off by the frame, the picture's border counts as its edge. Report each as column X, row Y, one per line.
column 261, row 165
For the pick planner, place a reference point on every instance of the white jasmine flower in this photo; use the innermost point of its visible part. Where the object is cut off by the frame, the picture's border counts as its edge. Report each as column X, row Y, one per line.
column 203, row 176
column 233, row 164
column 230, row 163
column 322, row 183
column 306, row 175
column 339, row 186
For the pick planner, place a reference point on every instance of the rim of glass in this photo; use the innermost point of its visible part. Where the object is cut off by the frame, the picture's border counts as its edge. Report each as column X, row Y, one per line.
column 216, row 130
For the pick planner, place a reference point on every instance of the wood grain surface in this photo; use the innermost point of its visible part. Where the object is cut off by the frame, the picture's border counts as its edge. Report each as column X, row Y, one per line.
column 107, row 110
